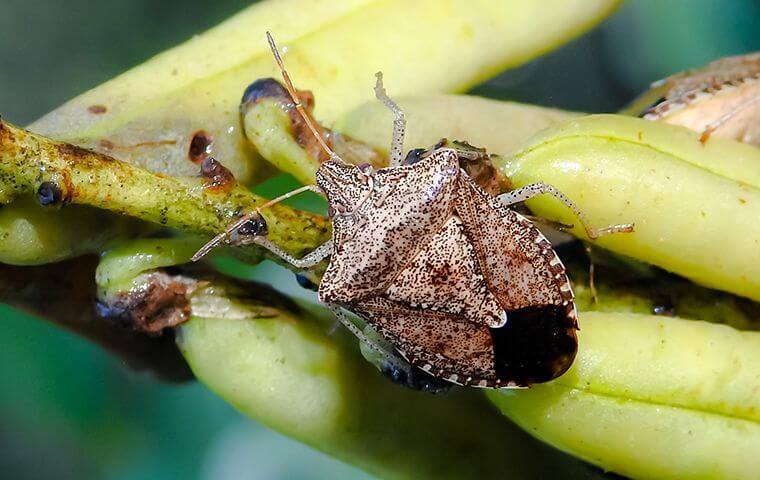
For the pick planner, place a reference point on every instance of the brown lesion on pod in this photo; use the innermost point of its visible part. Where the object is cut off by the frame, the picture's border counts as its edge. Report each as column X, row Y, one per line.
column 200, row 146
column 97, row 109
column 217, row 177
column 5, row 134
column 73, row 154
column 160, row 302
column 269, row 88
column 347, row 148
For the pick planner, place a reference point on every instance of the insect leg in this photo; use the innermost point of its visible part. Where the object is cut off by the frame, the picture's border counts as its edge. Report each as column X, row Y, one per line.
column 312, row 258
column 530, row 191
column 382, row 355
column 712, row 126
column 235, row 228
column 399, row 122
column 359, row 333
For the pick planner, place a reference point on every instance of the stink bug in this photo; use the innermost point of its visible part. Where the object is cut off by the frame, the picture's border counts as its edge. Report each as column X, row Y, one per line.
column 722, row 98
column 456, row 284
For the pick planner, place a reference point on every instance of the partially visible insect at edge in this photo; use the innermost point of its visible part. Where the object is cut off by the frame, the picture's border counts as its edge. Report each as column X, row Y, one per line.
column 721, row 99
column 460, row 287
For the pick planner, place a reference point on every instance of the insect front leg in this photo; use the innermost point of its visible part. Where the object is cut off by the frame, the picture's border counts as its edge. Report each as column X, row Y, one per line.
column 251, row 228
column 530, row 191
column 399, row 122
column 312, row 258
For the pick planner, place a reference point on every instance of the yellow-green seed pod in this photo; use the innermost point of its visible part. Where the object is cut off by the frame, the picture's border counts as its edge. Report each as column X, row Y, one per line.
column 500, row 127
column 652, row 397
column 694, row 207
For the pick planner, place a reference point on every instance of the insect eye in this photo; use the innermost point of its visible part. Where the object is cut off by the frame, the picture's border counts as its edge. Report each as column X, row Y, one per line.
column 364, row 167
column 414, row 156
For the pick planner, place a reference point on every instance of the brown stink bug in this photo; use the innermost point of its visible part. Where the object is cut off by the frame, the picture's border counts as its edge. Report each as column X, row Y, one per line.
column 455, row 283
column 721, row 98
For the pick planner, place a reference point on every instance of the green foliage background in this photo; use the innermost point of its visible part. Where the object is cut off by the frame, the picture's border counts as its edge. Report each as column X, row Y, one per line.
column 67, row 409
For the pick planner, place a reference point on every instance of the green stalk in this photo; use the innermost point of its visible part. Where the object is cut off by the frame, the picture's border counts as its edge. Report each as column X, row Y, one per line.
column 34, row 165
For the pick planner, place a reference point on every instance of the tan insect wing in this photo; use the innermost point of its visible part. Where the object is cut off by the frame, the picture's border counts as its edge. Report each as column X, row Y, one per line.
column 406, row 207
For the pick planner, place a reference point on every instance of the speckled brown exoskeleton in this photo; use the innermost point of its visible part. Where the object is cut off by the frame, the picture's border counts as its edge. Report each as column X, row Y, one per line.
column 458, row 284
column 721, row 98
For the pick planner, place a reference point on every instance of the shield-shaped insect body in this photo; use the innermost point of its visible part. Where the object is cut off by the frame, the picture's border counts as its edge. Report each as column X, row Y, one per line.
column 458, row 284
column 464, row 288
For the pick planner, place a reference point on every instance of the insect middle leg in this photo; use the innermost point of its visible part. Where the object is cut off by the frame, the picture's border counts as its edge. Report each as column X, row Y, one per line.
column 399, row 122
column 391, row 364
column 530, row 191
column 359, row 333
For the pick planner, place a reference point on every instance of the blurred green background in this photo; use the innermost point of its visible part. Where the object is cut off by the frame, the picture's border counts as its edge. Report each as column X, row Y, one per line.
column 67, row 409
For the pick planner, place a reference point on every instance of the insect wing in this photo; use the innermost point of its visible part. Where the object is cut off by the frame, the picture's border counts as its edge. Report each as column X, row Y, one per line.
column 444, row 345
column 523, row 272
column 408, row 205
column 444, row 276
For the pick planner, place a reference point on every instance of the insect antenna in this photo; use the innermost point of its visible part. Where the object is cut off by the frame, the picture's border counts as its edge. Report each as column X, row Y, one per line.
column 225, row 236
column 297, row 103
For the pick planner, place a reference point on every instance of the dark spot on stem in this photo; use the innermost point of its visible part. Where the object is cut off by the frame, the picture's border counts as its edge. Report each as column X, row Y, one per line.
column 536, row 344
column 97, row 109
column 5, row 134
column 49, row 194
column 200, row 146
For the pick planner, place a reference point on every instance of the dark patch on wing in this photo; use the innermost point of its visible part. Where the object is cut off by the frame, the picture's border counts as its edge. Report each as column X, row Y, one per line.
column 536, row 344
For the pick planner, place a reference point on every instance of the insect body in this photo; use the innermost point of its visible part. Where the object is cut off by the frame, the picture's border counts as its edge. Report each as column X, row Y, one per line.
column 458, row 284
column 722, row 98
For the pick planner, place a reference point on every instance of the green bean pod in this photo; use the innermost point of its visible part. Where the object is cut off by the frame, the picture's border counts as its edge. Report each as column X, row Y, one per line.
column 694, row 207
column 278, row 363
column 652, row 397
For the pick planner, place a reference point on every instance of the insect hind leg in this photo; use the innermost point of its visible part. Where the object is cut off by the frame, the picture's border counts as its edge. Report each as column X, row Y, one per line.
column 399, row 122
column 529, row 191
column 382, row 355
